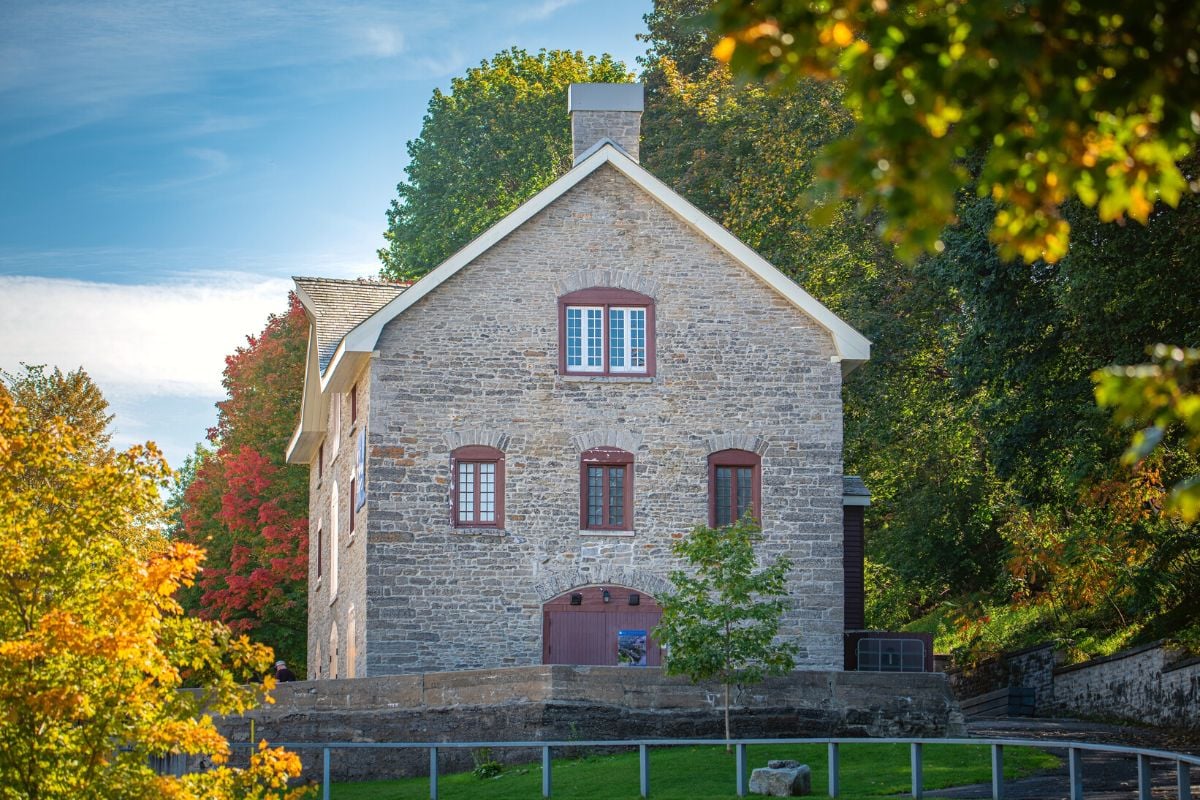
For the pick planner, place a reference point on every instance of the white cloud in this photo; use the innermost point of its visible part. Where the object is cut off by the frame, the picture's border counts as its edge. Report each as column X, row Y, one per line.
column 383, row 41
column 139, row 340
column 544, row 9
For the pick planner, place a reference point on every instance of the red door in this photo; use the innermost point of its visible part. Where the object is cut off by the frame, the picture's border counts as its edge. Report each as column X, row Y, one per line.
column 586, row 631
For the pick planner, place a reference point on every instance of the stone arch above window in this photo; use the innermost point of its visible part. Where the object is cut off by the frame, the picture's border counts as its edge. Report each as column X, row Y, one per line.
column 736, row 441
column 484, row 437
column 607, row 437
column 608, row 278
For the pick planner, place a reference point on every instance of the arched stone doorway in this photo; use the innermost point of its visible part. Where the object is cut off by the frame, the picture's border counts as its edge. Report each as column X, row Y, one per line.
column 582, row 627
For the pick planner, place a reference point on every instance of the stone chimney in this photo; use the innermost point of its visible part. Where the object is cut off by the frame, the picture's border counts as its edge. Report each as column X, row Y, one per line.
column 605, row 111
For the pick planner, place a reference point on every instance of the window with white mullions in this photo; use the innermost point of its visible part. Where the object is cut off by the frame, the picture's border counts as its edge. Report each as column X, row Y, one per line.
column 606, row 331
column 627, row 340
column 478, row 492
column 585, row 339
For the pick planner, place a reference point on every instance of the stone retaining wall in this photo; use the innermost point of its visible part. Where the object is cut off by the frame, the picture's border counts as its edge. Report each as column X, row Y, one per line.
column 1151, row 684
column 581, row 703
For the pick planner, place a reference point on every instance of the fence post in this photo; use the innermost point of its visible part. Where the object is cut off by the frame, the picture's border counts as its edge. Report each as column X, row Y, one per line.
column 835, row 773
column 1144, row 782
column 545, row 772
column 997, row 772
column 644, row 769
column 325, row 774
column 1075, row 760
column 433, row 774
column 918, row 780
column 741, row 751
column 1183, row 779
column 741, row 756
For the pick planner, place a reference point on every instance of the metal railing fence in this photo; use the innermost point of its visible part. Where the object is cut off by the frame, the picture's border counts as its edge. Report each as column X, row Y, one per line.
column 1075, row 750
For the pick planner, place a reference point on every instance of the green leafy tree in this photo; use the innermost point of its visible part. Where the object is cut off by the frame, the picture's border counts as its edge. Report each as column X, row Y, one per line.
column 1028, row 127
column 1157, row 396
column 72, row 397
column 1067, row 99
column 747, row 157
column 500, row 135
column 722, row 620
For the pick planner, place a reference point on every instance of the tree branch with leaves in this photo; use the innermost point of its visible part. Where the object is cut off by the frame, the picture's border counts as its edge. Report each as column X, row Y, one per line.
column 722, row 620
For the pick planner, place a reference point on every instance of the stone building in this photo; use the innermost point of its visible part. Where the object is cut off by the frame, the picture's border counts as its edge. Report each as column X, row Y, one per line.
column 502, row 453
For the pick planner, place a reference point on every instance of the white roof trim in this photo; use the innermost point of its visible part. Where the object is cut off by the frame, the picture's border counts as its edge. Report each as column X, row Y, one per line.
column 586, row 154
column 851, row 345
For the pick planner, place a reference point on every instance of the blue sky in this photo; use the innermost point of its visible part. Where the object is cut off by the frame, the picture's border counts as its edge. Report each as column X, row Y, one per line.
column 166, row 166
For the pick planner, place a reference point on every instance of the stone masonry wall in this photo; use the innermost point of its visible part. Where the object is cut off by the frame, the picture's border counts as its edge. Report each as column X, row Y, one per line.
column 623, row 127
column 346, row 610
column 476, row 362
column 1148, row 685
column 1151, row 684
column 1031, row 668
column 549, row 703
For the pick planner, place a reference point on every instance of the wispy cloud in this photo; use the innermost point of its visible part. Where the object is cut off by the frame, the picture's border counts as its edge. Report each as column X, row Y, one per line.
column 544, row 9
column 384, row 41
column 144, row 340
column 71, row 62
column 198, row 164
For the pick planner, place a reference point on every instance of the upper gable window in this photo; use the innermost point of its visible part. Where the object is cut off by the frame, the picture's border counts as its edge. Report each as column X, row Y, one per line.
column 605, row 331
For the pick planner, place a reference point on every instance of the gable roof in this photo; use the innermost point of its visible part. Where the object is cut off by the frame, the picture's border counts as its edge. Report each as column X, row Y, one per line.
column 337, row 306
column 852, row 347
column 361, row 337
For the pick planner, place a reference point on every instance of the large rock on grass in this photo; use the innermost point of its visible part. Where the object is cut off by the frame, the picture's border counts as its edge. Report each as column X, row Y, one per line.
column 781, row 779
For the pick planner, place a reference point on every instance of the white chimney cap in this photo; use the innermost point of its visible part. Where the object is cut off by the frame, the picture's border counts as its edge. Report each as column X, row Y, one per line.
column 606, row 97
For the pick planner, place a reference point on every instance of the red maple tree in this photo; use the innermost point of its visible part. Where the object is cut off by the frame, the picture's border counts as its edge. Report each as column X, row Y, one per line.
column 245, row 505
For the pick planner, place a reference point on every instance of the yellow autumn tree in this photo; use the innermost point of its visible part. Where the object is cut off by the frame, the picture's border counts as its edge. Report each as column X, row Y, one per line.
column 93, row 647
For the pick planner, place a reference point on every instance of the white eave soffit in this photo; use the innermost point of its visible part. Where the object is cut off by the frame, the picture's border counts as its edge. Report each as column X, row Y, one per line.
column 852, row 347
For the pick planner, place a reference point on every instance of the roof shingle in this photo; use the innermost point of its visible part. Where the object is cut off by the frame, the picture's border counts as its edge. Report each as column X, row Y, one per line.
column 340, row 305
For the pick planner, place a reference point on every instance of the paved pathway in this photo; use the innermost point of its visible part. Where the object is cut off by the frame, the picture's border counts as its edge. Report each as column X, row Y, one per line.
column 1105, row 776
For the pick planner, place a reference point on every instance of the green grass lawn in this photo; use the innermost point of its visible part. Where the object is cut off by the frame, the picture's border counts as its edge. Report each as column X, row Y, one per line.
column 697, row 773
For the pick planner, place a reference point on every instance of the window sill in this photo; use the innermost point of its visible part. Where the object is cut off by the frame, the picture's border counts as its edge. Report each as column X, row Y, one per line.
column 574, row 377
column 602, row 532
column 479, row 530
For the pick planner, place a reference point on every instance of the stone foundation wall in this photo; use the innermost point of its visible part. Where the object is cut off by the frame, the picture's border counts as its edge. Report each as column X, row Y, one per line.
column 580, row 703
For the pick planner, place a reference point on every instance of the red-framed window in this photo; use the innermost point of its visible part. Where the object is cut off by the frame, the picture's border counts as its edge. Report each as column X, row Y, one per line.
column 353, row 494
column 604, row 331
column 734, row 486
column 606, row 489
column 477, row 493
column 320, row 550
column 354, row 404
column 320, row 461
